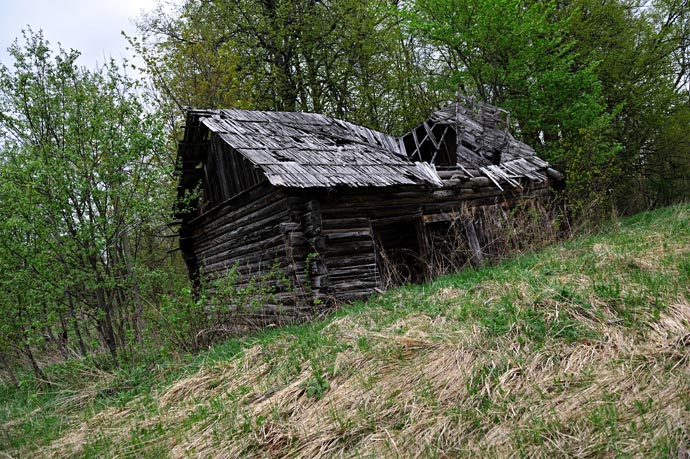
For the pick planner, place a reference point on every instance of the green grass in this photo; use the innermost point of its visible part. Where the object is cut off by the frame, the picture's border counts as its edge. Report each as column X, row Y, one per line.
column 581, row 350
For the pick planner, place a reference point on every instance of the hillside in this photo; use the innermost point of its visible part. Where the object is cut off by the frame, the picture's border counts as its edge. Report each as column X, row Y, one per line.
column 582, row 350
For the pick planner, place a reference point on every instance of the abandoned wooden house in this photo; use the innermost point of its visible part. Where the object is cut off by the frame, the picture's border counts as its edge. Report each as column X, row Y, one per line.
column 341, row 209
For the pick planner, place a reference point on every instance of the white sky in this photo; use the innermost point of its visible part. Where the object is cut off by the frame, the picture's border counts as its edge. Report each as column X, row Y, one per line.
column 90, row 26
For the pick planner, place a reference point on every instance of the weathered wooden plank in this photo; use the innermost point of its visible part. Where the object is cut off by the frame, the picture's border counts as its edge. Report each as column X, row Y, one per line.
column 335, row 224
column 239, row 250
column 260, row 195
column 251, row 261
column 473, row 241
column 341, row 236
column 357, row 247
column 231, row 221
column 366, row 259
column 258, row 229
column 357, row 273
column 347, row 286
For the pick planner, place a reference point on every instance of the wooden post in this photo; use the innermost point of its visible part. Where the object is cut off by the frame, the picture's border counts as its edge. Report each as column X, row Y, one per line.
column 473, row 241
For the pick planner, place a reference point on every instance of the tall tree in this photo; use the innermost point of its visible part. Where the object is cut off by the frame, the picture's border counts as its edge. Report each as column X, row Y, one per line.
column 82, row 175
column 642, row 51
column 345, row 58
column 518, row 54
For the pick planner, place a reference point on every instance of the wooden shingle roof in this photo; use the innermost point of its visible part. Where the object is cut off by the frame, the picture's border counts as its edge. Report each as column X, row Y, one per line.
column 460, row 142
column 305, row 150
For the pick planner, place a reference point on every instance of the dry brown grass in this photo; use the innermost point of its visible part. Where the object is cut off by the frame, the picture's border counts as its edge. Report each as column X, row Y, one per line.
column 419, row 384
column 414, row 395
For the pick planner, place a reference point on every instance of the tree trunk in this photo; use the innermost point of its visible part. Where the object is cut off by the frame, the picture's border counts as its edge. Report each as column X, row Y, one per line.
column 138, row 313
column 62, row 338
column 38, row 373
column 75, row 326
column 105, row 323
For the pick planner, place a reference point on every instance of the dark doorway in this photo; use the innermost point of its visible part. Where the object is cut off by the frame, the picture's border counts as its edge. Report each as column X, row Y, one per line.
column 400, row 253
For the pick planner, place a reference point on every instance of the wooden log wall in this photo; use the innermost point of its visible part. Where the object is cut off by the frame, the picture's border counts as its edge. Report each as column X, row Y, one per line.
column 328, row 242
column 349, row 253
column 305, row 246
column 246, row 231
column 353, row 221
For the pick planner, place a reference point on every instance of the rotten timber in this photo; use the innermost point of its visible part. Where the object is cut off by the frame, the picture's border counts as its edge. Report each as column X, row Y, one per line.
column 337, row 207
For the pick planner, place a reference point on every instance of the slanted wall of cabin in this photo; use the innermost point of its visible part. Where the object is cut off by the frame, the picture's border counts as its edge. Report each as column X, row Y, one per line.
column 359, row 241
column 236, row 222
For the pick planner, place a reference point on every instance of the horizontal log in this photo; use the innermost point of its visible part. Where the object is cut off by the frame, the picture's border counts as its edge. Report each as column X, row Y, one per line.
column 452, row 183
column 554, row 174
column 352, row 275
column 352, row 285
column 336, row 231
column 480, row 182
column 440, row 217
column 248, row 200
column 353, row 270
column 262, row 246
column 342, row 236
column 258, row 261
column 400, row 209
column 396, row 219
column 257, row 231
column 348, row 249
column 366, row 259
column 448, row 174
column 328, row 224
column 230, row 221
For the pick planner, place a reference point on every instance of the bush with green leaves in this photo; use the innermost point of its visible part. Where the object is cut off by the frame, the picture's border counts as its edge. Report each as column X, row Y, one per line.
column 192, row 319
column 85, row 187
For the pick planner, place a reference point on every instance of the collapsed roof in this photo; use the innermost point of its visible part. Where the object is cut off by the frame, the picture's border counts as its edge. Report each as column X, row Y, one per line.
column 307, row 150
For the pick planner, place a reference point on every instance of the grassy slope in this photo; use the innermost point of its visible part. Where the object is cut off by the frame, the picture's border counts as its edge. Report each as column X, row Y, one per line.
column 582, row 350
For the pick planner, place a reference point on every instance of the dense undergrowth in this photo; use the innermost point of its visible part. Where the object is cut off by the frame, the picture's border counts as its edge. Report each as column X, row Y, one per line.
column 581, row 350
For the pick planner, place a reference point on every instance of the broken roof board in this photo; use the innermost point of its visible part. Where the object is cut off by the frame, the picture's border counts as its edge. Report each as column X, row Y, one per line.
column 305, row 150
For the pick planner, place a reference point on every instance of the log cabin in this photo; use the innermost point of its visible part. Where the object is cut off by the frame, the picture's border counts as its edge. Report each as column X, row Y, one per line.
column 341, row 210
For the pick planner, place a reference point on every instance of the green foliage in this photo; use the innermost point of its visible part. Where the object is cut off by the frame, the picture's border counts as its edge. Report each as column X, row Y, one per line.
column 639, row 48
column 316, row 387
column 519, row 55
column 84, row 185
column 194, row 319
column 346, row 58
